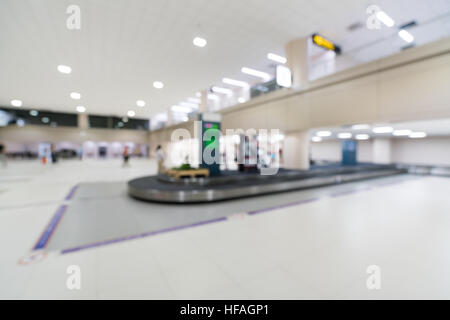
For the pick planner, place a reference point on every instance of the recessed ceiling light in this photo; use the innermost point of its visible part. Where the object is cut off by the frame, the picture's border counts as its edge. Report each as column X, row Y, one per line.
column 344, row 135
column 417, row 135
column 34, row 113
column 181, row 109
column 131, row 113
column 75, row 95
column 316, row 139
column 222, row 90
column 16, row 103
column 199, row 42
column 158, row 84
column 361, row 127
column 64, row 69
column 237, row 83
column 405, row 35
column 276, row 58
column 241, row 100
column 81, row 109
column 140, row 103
column 383, row 17
column 362, row 137
column 383, row 129
column 399, row 133
column 263, row 75
column 323, row 134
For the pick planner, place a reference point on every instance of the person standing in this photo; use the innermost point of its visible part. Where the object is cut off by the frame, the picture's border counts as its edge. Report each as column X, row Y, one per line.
column 126, row 156
column 3, row 156
column 160, row 157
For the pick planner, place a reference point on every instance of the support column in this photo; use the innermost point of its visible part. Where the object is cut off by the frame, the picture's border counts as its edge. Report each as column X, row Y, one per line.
column 382, row 151
column 297, row 61
column 203, row 107
column 296, row 151
column 83, row 121
column 169, row 121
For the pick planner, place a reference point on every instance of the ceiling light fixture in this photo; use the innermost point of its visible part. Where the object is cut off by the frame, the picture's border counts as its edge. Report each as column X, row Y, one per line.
column 344, row 135
column 241, row 100
column 362, row 137
column 75, row 95
column 252, row 72
column 276, row 58
column 382, row 130
column 131, row 114
column 222, row 90
column 16, row 103
column 81, row 109
column 418, row 135
column 140, row 103
column 400, row 133
column 236, row 83
column 361, row 127
column 316, row 139
column 199, row 42
column 383, row 17
column 405, row 35
column 64, row 69
column 158, row 85
column 323, row 134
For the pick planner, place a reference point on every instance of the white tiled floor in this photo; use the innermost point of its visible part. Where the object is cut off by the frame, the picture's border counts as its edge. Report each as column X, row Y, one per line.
column 315, row 250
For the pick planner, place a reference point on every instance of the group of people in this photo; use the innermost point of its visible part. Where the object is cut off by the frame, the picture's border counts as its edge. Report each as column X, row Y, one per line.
column 160, row 157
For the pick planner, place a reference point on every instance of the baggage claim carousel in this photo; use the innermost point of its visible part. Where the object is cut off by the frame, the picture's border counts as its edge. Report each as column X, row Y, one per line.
column 233, row 184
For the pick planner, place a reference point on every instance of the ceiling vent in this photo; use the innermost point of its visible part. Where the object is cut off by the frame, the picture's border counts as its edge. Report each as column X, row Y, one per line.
column 355, row 26
column 408, row 25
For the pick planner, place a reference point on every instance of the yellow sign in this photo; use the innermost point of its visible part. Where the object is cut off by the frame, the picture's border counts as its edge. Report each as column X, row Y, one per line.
column 324, row 43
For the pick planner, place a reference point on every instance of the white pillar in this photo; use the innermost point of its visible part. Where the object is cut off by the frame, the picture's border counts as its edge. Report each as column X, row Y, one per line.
column 203, row 107
column 382, row 151
column 297, row 61
column 169, row 121
column 296, row 151
column 83, row 121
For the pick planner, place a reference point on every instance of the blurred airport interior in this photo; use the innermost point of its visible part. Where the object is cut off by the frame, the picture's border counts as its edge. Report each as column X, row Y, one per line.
column 150, row 135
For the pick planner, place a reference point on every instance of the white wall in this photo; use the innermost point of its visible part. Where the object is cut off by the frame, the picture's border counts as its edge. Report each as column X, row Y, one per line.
column 429, row 151
column 326, row 150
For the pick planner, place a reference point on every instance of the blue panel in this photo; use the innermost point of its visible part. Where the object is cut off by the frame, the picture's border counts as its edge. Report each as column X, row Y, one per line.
column 349, row 148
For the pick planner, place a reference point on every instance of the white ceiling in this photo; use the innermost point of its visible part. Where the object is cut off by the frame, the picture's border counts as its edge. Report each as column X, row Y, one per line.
column 123, row 46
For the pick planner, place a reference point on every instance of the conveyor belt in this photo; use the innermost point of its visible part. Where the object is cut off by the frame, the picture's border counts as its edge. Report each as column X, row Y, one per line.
column 237, row 185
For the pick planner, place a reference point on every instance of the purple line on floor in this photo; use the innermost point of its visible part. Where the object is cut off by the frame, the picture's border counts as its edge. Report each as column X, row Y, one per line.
column 46, row 235
column 142, row 235
column 71, row 193
column 284, row 206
